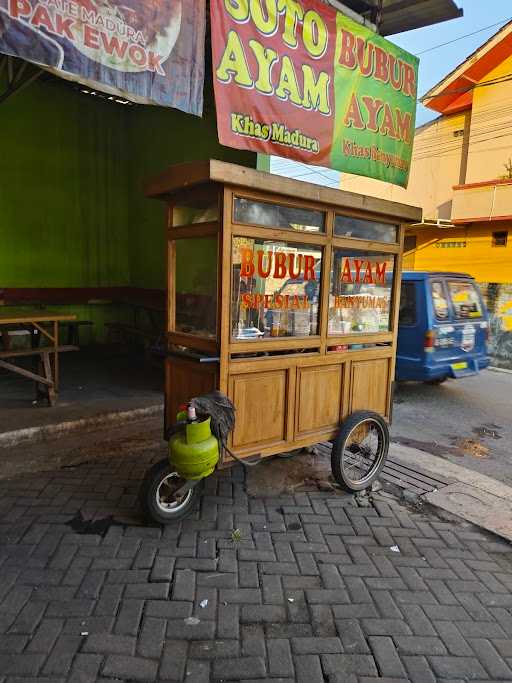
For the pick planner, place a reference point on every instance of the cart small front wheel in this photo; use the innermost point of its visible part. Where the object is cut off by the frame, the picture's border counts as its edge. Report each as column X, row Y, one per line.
column 158, row 498
column 360, row 450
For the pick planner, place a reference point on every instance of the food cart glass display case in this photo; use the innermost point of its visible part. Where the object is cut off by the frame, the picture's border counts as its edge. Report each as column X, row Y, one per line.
column 284, row 296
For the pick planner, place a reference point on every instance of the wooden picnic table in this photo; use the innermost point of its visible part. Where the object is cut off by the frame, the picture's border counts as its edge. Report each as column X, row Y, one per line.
column 39, row 326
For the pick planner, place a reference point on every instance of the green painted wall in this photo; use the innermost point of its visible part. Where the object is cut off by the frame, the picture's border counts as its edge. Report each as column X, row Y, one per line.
column 63, row 181
column 72, row 168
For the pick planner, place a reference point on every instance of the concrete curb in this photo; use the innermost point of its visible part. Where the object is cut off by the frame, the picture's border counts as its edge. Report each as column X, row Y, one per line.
column 44, row 432
column 474, row 497
column 493, row 368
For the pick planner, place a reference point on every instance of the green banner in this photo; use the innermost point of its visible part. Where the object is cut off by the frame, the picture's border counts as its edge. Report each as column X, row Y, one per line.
column 375, row 86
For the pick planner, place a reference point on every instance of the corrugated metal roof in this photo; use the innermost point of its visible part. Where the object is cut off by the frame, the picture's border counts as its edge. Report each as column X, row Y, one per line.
column 404, row 15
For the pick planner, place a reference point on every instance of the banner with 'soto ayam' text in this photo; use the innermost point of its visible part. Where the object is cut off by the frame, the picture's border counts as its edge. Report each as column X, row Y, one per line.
column 298, row 79
column 149, row 51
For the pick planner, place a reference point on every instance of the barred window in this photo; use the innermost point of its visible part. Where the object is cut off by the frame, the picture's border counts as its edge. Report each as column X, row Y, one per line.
column 500, row 239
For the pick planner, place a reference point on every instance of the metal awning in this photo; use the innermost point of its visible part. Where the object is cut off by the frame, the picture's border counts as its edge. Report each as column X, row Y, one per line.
column 397, row 16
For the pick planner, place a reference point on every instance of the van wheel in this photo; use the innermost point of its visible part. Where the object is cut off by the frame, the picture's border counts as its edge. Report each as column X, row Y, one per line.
column 156, row 494
column 437, row 381
column 360, row 450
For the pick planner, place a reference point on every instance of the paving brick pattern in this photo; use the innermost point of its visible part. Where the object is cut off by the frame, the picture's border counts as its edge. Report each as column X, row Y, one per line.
column 311, row 592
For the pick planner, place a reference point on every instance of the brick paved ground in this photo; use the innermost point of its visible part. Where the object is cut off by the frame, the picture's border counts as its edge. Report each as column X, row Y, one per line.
column 311, row 592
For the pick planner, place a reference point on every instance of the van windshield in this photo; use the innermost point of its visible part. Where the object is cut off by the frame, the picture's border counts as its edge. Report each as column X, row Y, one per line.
column 465, row 299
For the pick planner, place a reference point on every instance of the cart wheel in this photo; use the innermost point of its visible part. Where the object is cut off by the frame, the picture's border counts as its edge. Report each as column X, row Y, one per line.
column 360, row 450
column 156, row 494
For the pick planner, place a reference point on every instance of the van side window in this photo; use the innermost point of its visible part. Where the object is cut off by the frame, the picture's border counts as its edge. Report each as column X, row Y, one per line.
column 408, row 304
column 439, row 301
column 465, row 299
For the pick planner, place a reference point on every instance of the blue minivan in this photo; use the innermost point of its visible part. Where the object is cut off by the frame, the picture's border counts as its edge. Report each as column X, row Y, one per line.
column 443, row 327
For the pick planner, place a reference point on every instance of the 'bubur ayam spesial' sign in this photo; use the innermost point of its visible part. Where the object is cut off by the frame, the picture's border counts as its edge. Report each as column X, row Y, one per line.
column 298, row 79
column 302, row 268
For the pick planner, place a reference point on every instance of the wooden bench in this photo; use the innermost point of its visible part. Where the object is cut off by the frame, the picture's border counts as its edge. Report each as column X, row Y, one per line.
column 146, row 307
column 46, row 374
column 44, row 378
column 20, row 353
column 72, row 327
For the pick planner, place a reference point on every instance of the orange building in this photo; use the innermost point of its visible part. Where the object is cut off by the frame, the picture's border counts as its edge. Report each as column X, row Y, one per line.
column 461, row 175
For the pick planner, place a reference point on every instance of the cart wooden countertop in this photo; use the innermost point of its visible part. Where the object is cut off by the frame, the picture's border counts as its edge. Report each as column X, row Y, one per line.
column 191, row 174
column 35, row 318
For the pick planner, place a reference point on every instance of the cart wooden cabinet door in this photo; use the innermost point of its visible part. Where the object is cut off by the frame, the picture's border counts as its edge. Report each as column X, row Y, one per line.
column 369, row 385
column 262, row 401
column 318, row 398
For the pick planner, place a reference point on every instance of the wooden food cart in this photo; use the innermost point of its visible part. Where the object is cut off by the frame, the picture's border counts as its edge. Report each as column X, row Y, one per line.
column 283, row 295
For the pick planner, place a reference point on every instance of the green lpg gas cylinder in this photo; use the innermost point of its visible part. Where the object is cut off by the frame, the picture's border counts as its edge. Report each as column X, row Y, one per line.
column 194, row 451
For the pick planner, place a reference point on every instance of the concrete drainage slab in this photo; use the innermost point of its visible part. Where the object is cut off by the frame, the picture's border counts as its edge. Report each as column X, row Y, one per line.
column 414, row 479
column 411, row 477
column 311, row 470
